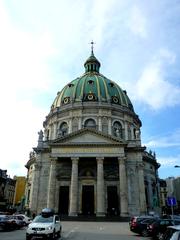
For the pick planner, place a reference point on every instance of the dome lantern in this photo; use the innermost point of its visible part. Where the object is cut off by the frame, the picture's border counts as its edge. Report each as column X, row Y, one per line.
column 92, row 64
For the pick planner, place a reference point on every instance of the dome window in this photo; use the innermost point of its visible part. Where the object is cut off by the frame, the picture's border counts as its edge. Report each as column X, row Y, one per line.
column 115, row 99
column 90, row 97
column 91, row 82
column 70, row 85
column 111, row 84
column 66, row 100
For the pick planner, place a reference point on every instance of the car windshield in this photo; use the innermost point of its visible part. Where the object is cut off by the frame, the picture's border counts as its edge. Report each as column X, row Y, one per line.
column 41, row 219
column 148, row 221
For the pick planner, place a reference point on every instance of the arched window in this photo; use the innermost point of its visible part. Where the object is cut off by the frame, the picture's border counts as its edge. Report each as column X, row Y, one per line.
column 117, row 129
column 63, row 130
column 90, row 123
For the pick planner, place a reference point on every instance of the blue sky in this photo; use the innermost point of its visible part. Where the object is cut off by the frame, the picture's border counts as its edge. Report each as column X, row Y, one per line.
column 44, row 44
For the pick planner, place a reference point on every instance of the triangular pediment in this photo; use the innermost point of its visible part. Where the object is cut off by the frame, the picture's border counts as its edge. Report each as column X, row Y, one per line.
column 87, row 136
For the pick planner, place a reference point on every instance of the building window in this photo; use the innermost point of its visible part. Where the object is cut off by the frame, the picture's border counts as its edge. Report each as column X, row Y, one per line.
column 90, row 123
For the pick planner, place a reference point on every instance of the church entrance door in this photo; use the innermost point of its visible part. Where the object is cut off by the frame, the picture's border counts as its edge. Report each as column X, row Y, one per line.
column 112, row 197
column 87, row 200
column 64, row 200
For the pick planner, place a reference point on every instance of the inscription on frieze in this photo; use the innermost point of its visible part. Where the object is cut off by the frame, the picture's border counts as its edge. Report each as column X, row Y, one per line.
column 87, row 150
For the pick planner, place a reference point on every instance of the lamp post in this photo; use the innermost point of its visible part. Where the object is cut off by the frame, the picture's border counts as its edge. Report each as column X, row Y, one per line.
column 177, row 166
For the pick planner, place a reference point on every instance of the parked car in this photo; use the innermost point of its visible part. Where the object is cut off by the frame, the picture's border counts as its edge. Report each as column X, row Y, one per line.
column 141, row 227
column 172, row 233
column 6, row 223
column 19, row 222
column 25, row 218
column 46, row 225
column 138, row 224
column 157, row 228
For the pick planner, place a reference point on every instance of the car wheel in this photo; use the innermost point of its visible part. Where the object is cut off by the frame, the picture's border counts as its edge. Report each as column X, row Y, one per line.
column 160, row 236
column 54, row 235
column 144, row 233
column 58, row 234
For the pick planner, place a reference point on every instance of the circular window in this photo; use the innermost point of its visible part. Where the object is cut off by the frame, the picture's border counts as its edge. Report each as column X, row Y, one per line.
column 90, row 97
column 66, row 100
column 115, row 99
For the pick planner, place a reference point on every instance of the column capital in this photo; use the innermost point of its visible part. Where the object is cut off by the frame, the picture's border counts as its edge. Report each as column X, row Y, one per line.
column 53, row 160
column 99, row 159
column 122, row 160
column 75, row 160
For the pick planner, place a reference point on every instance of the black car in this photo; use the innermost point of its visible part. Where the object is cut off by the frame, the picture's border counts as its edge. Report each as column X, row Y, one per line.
column 157, row 228
column 139, row 224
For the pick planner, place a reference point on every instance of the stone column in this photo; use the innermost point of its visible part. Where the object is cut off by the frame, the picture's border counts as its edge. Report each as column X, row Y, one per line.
column 109, row 126
column 100, row 188
column 100, row 124
column 70, row 126
column 74, row 188
column 150, row 195
column 33, row 201
column 142, row 198
column 126, row 131
column 52, row 185
column 54, row 130
column 80, row 123
column 123, row 187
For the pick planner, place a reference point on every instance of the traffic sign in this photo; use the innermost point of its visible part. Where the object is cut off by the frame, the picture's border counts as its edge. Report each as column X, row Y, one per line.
column 171, row 201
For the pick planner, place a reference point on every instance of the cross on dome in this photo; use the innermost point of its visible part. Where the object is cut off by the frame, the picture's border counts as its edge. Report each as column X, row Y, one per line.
column 92, row 47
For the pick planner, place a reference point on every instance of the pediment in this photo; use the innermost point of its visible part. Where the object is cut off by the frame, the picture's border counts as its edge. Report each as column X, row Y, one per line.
column 87, row 136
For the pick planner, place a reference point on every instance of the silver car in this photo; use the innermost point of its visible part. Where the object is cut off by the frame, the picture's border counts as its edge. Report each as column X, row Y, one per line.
column 172, row 233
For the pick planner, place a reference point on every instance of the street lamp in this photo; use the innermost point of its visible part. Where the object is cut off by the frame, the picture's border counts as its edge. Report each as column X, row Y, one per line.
column 177, row 166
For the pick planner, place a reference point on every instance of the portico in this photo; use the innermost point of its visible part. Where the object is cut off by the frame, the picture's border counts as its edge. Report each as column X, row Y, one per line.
column 89, row 177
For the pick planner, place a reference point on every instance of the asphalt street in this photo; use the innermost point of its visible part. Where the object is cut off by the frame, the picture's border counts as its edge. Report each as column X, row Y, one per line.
column 85, row 231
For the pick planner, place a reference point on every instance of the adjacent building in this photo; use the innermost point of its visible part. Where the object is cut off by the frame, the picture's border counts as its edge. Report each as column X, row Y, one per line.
column 19, row 195
column 7, row 189
column 89, row 159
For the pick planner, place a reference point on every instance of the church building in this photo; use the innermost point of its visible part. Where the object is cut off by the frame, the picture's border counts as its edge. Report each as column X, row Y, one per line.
column 89, row 159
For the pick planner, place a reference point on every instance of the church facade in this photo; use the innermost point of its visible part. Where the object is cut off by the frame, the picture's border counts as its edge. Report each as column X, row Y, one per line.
column 89, row 159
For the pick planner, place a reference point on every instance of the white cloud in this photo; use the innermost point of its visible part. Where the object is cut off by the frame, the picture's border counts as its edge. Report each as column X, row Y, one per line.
column 137, row 22
column 152, row 87
column 23, row 72
column 170, row 140
column 169, row 161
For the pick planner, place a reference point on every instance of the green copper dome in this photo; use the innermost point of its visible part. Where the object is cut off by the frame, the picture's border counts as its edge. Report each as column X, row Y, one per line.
column 92, row 87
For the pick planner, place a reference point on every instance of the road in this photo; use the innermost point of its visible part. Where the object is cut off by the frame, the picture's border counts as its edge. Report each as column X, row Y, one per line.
column 85, row 231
